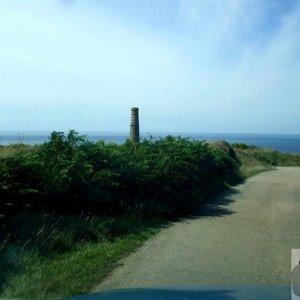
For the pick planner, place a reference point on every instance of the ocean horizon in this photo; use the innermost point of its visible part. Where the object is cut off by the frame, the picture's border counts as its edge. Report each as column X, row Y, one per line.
column 289, row 143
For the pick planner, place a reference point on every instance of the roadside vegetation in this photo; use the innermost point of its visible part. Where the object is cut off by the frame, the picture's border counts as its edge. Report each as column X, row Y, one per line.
column 70, row 208
column 255, row 160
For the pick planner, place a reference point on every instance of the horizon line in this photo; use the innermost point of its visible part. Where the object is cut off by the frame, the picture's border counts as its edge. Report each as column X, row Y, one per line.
column 104, row 132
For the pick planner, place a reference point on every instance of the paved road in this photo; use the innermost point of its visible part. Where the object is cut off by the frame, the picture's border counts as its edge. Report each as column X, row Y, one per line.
column 244, row 237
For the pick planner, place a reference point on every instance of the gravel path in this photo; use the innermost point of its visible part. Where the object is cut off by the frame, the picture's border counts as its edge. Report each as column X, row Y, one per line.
column 242, row 237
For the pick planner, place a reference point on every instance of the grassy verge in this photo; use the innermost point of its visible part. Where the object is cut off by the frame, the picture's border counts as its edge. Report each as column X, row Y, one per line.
column 251, row 167
column 52, row 257
column 255, row 160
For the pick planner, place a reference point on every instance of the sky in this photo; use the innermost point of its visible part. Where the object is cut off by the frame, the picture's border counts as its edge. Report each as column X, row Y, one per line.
column 190, row 66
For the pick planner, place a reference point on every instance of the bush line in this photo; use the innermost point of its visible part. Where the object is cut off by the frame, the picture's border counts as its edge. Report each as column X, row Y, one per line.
column 68, row 173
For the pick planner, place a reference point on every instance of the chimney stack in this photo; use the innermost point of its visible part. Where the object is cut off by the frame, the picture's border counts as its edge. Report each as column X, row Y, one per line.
column 134, row 125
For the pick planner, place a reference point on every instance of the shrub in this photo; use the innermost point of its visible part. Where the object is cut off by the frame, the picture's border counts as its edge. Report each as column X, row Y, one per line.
column 169, row 176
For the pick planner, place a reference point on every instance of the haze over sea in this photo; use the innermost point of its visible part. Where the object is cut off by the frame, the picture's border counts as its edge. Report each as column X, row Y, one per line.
column 289, row 143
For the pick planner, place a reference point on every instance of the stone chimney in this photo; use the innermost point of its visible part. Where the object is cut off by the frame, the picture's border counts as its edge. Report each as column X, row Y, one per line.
column 134, row 125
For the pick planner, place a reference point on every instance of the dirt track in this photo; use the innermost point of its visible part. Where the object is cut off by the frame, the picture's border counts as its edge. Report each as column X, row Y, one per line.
column 243, row 237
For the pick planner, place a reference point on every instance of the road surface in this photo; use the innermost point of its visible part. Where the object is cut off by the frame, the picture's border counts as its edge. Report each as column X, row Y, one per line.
column 244, row 237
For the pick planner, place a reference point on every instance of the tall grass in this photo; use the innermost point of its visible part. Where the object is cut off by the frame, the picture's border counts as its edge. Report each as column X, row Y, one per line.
column 254, row 159
column 52, row 256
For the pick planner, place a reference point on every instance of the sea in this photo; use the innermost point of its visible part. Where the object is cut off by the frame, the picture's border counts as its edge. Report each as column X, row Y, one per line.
column 289, row 143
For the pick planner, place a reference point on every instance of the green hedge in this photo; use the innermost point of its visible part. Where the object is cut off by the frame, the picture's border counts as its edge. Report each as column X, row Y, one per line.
column 170, row 175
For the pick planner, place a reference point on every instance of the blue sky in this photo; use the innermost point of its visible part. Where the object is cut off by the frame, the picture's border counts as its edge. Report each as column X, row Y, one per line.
column 190, row 66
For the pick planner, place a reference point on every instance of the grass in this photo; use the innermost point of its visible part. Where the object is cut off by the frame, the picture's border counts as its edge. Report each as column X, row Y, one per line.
column 69, row 274
column 252, row 166
column 255, row 160
column 10, row 150
column 59, row 260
